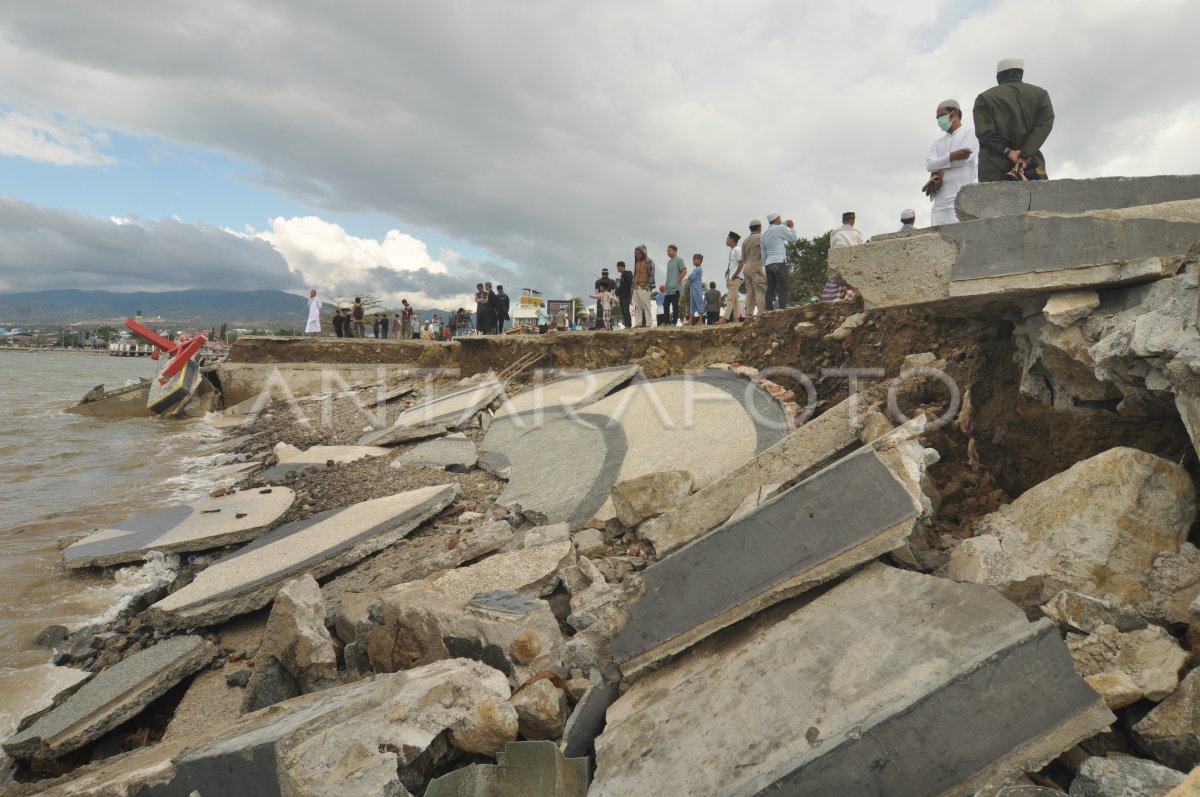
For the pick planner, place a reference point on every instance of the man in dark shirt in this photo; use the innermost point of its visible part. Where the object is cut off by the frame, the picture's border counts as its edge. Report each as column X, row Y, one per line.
column 625, row 292
column 502, row 305
column 1012, row 121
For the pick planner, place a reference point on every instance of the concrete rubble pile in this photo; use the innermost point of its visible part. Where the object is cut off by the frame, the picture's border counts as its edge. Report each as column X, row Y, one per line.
column 680, row 583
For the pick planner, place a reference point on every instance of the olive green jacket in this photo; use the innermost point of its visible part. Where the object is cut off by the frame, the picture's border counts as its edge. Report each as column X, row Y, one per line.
column 1013, row 115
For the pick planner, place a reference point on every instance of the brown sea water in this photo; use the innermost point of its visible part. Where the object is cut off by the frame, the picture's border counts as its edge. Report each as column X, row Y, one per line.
column 62, row 475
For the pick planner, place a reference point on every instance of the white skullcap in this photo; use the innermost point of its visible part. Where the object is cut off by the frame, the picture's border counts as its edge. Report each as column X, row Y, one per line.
column 950, row 104
column 773, row 215
column 908, row 213
column 1010, row 63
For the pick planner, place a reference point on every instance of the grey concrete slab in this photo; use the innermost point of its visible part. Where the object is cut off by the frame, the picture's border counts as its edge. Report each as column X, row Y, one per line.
column 396, row 435
column 537, row 406
column 388, row 396
column 1000, row 260
column 248, row 580
column 524, row 769
column 453, row 449
column 808, row 534
column 292, row 459
column 587, row 720
column 111, row 698
column 704, row 423
column 453, row 410
column 496, row 464
column 891, row 684
column 991, row 200
column 198, row 526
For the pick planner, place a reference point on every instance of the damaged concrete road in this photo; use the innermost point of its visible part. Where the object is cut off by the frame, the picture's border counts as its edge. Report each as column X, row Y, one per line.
column 991, row 200
column 975, row 263
column 809, row 534
column 892, row 683
column 198, row 526
column 111, row 698
column 451, row 411
column 389, row 728
column 248, row 580
column 704, row 424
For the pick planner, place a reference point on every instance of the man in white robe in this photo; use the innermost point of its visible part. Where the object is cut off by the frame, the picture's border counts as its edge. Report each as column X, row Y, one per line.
column 313, row 327
column 956, row 157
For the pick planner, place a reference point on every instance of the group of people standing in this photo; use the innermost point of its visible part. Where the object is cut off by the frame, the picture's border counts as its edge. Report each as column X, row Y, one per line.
column 351, row 322
column 491, row 308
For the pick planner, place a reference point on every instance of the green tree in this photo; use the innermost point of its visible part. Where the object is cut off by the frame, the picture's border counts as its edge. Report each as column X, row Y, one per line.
column 580, row 309
column 106, row 333
column 808, row 262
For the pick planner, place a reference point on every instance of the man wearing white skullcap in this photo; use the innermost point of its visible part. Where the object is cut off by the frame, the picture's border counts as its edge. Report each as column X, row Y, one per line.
column 1013, row 119
column 953, row 162
column 908, row 220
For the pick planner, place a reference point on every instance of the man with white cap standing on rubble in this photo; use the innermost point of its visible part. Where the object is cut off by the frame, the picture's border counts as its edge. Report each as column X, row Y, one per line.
column 1013, row 119
column 952, row 163
column 908, row 220
column 773, row 245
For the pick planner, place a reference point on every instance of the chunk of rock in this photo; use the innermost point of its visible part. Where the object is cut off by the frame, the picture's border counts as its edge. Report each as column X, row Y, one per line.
column 1174, row 586
column 644, row 497
column 853, row 693
column 112, row 697
column 1171, row 731
column 296, row 655
column 1126, row 667
column 654, row 363
column 1084, row 613
column 419, row 623
column 1069, row 307
column 1095, row 528
column 589, row 542
column 541, row 710
column 1124, row 776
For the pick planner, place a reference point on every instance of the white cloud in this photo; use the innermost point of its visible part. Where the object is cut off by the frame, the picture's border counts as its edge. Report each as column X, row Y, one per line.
column 42, row 139
column 559, row 141
column 341, row 265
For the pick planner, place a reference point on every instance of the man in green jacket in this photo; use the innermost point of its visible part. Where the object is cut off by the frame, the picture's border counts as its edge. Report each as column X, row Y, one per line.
column 1012, row 121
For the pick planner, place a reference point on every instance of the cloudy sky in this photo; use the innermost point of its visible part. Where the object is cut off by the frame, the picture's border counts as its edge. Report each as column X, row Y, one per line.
column 411, row 149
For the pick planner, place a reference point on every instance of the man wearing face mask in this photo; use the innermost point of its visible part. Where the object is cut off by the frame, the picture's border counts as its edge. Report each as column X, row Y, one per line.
column 953, row 162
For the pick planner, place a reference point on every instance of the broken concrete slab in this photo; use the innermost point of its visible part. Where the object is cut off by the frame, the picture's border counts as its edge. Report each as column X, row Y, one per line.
column 496, row 464
column 1084, row 613
column 326, row 542
column 1171, row 731
column 1064, row 309
column 417, row 623
column 112, row 697
column 452, row 411
column 535, row 407
column 413, row 559
column 704, row 423
column 292, row 459
column 1095, row 528
column 803, row 537
column 524, row 769
column 198, row 526
column 814, row 445
column 296, row 655
column 587, row 720
column 454, row 449
column 397, row 435
column 389, row 729
column 892, row 683
column 992, row 200
column 977, row 263
column 388, row 396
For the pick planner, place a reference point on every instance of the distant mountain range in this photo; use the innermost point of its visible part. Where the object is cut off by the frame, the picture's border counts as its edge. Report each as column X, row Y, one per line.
column 199, row 307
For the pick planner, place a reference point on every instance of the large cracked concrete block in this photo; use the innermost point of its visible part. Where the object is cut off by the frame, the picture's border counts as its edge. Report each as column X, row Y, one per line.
column 374, row 736
column 977, row 263
column 524, row 769
column 992, row 200
column 198, row 526
column 893, row 684
column 322, row 544
column 807, row 535
column 111, row 698
column 702, row 423
column 450, row 411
